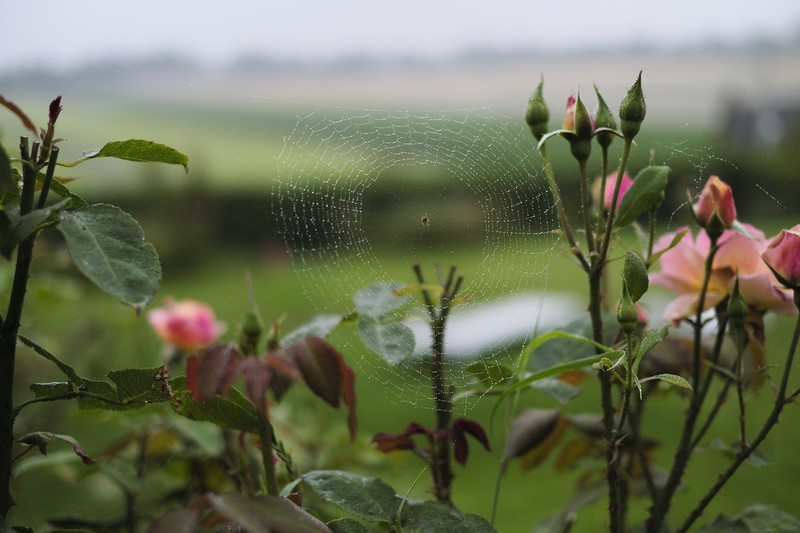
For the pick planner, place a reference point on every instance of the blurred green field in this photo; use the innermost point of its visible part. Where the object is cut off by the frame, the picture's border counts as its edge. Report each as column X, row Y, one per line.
column 233, row 149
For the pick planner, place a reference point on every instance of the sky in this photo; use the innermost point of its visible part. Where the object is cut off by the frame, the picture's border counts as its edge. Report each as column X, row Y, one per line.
column 63, row 34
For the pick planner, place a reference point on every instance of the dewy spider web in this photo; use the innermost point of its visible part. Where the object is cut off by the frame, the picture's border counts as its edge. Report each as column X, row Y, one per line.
column 362, row 195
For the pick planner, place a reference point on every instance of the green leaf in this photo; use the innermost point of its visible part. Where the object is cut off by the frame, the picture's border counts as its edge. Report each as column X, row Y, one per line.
column 139, row 384
column 365, row 498
column 136, row 150
column 320, row 326
column 232, row 412
column 54, row 389
column 428, row 517
column 757, row 518
column 672, row 379
column 394, row 341
column 651, row 338
column 108, row 246
column 62, row 190
column 347, row 525
column 379, row 300
column 103, row 396
column 554, row 335
column 30, row 224
column 553, row 371
column 756, row 458
column 560, row 391
column 490, row 373
column 265, row 513
column 67, row 370
column 6, row 175
column 634, row 275
column 672, row 244
column 645, row 192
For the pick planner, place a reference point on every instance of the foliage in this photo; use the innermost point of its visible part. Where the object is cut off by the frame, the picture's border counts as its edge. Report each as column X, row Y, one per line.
column 214, row 453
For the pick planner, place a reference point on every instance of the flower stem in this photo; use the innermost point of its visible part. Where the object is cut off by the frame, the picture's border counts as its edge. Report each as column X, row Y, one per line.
column 442, row 394
column 623, row 162
column 562, row 214
column 747, row 449
column 265, row 434
column 684, row 450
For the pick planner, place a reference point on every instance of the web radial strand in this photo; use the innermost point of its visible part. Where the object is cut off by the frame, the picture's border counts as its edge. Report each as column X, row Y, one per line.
column 361, row 196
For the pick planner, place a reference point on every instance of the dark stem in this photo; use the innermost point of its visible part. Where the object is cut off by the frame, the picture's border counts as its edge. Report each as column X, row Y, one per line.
column 612, row 468
column 601, row 208
column 442, row 394
column 48, row 177
column 683, row 453
column 747, row 449
column 8, row 333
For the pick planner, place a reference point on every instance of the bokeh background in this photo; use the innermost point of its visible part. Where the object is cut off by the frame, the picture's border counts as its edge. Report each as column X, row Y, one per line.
column 227, row 86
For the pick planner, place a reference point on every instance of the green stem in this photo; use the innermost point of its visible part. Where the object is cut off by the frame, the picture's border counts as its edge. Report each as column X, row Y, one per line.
column 601, row 208
column 586, row 207
column 747, row 449
column 623, row 162
column 265, row 434
column 562, row 214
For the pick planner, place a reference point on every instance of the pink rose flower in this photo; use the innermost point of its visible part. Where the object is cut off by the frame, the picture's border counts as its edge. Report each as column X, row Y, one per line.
column 626, row 183
column 682, row 271
column 683, row 267
column 715, row 198
column 186, row 324
column 783, row 256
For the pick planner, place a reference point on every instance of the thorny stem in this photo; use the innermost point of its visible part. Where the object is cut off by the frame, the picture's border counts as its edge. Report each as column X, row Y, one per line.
column 746, row 449
column 443, row 395
column 740, row 392
column 635, row 425
column 10, row 328
column 684, row 450
column 265, row 435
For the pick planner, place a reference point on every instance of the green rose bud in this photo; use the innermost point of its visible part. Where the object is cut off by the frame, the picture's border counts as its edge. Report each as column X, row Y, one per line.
column 627, row 314
column 537, row 114
column 632, row 109
column 603, row 118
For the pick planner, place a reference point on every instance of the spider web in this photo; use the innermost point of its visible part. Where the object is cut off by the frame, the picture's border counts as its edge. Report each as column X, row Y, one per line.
column 362, row 195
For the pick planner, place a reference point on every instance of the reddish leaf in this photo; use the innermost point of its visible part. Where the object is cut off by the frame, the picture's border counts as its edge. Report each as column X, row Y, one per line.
column 349, row 397
column 327, row 375
column 318, row 363
column 55, row 110
column 387, row 442
column 257, row 377
column 14, row 108
column 284, row 374
column 211, row 371
column 459, row 430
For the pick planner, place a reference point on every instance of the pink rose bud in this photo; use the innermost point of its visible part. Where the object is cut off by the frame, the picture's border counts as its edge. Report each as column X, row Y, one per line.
column 783, row 257
column 624, row 185
column 186, row 324
column 715, row 198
